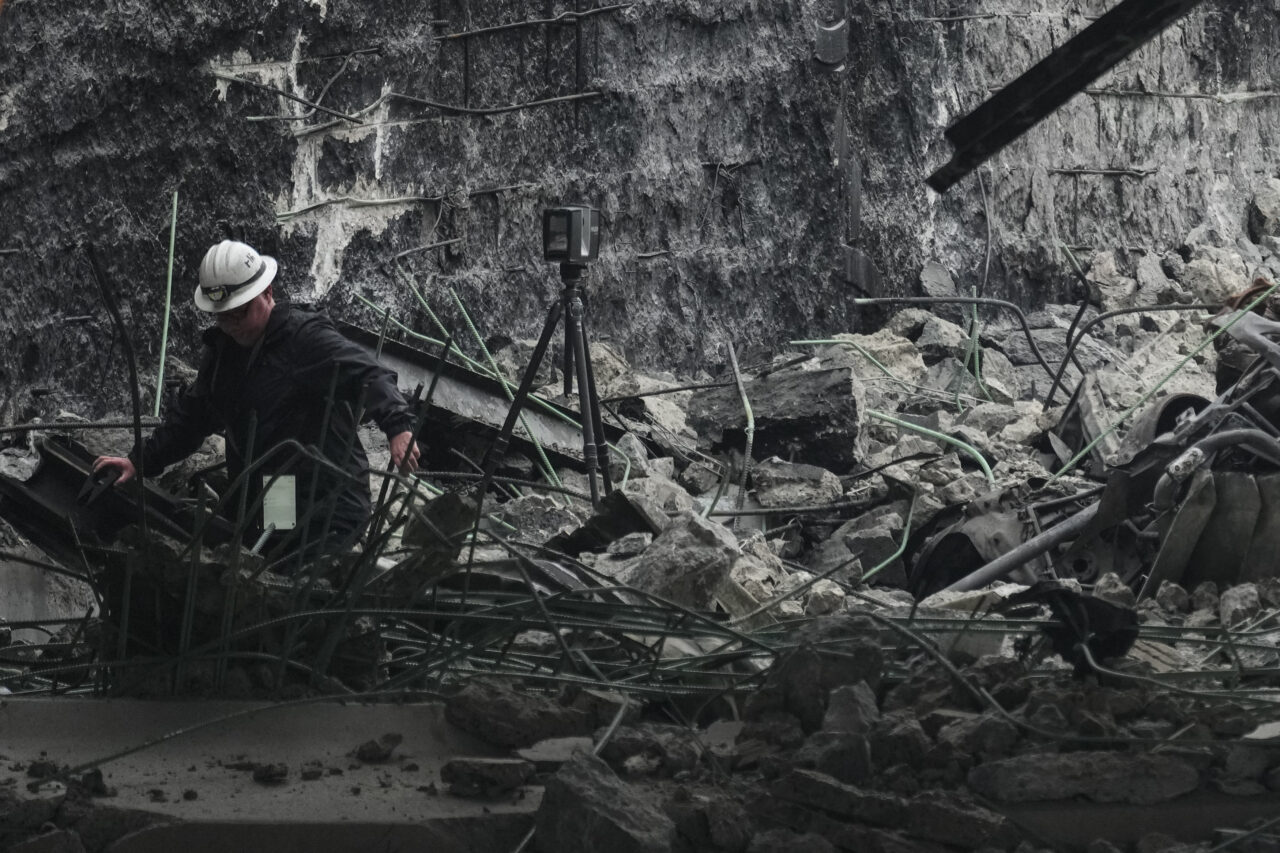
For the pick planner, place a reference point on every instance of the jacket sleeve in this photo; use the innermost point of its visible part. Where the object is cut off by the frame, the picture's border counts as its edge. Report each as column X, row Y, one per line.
column 185, row 426
column 321, row 349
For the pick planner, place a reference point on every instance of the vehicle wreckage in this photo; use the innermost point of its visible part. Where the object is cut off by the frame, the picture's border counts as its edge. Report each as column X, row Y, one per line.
column 1192, row 494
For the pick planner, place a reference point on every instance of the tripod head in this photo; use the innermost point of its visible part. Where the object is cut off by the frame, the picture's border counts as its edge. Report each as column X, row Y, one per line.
column 572, row 272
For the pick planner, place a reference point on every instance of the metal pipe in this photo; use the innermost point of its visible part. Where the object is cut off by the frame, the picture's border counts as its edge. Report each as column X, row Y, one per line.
column 1024, row 553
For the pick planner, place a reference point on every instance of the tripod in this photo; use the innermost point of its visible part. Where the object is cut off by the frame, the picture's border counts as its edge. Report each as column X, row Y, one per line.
column 577, row 359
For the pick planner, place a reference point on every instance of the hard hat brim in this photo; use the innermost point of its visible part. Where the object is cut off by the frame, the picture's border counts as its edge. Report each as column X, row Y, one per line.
column 242, row 296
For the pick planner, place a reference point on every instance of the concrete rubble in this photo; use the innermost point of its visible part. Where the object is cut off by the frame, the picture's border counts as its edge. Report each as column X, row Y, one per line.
column 776, row 634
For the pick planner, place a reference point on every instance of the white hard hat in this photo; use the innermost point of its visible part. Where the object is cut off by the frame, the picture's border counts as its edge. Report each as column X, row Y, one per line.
column 231, row 274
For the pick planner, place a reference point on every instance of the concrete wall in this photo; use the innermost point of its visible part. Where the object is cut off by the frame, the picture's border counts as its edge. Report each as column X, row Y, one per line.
column 709, row 135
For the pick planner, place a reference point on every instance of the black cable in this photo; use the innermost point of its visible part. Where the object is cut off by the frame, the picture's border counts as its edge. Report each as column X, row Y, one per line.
column 1084, row 330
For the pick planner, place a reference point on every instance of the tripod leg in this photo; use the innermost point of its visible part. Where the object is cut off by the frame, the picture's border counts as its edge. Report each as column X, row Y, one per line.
column 597, row 422
column 584, row 396
column 493, row 457
column 568, row 363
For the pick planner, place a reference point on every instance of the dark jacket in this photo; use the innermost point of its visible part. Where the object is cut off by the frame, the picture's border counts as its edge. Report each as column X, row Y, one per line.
column 278, row 390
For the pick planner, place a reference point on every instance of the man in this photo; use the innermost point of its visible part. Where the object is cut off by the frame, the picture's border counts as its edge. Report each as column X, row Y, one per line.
column 266, row 377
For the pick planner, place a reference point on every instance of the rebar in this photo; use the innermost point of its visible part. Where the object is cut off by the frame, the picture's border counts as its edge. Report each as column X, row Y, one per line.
column 751, row 433
column 1072, row 343
column 1146, row 396
column 253, row 84
column 954, row 442
column 965, row 300
column 563, row 17
column 168, row 305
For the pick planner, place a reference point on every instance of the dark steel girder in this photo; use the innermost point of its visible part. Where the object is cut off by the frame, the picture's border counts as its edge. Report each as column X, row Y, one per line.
column 1053, row 81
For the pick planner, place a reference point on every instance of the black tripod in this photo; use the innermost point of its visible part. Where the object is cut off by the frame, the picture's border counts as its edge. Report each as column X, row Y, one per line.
column 577, row 359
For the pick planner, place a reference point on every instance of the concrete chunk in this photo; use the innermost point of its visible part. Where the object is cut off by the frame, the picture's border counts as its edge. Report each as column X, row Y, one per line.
column 586, row 808
column 1103, row 777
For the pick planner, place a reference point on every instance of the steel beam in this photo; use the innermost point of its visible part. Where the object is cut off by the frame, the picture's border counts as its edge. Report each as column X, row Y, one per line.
column 1022, row 104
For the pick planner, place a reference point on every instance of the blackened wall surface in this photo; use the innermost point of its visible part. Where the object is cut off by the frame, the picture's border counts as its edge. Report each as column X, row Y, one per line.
column 732, row 166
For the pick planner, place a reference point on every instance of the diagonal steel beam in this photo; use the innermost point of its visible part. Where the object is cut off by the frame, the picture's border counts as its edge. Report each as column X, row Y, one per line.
column 1053, row 81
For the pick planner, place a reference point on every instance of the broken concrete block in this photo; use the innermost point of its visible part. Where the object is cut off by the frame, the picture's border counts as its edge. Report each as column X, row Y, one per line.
column 1111, row 589
column 671, row 748
column 540, row 517
column 546, row 756
column 1216, row 281
column 825, row 596
column 586, row 808
column 987, row 736
column 819, row 791
column 951, row 818
column 1264, row 210
column 630, row 544
column 666, row 494
column 1205, row 597
column 1173, row 598
column 485, row 777
column 710, row 822
column 700, row 477
column 1239, row 604
column 786, row 841
column 628, row 458
column 794, row 684
column 494, row 712
column 907, row 323
column 841, row 755
column 781, row 483
column 618, row 515
column 1110, row 288
column 873, row 538
column 936, row 281
column 1103, row 777
column 898, row 738
column 851, row 708
column 889, row 346
column 811, row 410
column 380, row 748
column 940, row 339
column 685, row 563
column 758, row 570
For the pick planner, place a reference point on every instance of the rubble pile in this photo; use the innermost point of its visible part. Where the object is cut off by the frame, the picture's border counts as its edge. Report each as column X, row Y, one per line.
column 869, row 594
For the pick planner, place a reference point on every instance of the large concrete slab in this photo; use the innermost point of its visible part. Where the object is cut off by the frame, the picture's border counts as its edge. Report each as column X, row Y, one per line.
column 353, row 805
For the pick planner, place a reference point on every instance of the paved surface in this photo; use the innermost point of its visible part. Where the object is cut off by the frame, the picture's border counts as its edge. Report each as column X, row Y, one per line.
column 396, row 804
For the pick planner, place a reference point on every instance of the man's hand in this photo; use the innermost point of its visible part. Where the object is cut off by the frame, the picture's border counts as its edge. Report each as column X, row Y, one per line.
column 122, row 463
column 404, row 452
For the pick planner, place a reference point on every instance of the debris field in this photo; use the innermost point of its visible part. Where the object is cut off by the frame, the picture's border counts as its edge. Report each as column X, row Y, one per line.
column 979, row 580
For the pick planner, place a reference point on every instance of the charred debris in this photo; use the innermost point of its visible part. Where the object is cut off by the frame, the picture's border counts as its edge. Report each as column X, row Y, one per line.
column 906, row 590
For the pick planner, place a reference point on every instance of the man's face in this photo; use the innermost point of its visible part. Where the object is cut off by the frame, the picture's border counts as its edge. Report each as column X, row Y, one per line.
column 247, row 323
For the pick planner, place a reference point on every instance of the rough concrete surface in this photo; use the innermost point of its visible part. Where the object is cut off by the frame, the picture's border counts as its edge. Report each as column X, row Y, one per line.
column 708, row 136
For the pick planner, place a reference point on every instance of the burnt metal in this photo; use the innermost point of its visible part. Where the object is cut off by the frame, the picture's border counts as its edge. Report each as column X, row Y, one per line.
column 45, row 507
column 850, row 172
column 480, row 402
column 1053, row 81
column 1034, row 547
column 861, row 271
column 833, row 39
